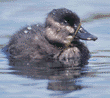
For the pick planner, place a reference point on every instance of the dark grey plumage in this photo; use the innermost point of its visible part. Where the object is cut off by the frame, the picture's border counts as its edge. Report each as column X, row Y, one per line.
column 49, row 40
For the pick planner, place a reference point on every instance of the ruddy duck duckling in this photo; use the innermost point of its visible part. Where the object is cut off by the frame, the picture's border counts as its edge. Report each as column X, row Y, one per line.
column 57, row 39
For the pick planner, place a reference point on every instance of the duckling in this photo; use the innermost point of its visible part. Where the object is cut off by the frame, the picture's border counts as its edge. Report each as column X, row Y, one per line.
column 59, row 38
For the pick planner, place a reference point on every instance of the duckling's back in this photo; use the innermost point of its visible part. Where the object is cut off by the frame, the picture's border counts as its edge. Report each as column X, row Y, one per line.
column 30, row 43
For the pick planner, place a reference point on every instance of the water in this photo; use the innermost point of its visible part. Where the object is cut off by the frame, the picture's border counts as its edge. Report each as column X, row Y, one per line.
column 91, row 81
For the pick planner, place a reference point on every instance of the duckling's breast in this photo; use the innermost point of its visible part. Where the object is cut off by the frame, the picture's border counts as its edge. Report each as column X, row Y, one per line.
column 71, row 55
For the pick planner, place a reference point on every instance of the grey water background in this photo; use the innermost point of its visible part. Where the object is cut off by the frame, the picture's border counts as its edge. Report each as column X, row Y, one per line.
column 23, row 82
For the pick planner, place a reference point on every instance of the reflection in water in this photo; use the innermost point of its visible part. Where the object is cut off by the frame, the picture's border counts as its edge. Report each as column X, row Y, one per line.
column 61, row 77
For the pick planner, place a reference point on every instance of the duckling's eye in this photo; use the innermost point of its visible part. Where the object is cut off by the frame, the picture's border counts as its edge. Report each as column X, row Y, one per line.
column 65, row 21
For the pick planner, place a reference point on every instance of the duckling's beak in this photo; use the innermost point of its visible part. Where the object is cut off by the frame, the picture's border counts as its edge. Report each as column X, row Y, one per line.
column 84, row 35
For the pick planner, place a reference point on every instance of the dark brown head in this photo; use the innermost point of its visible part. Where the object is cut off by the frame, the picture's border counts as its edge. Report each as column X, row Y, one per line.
column 61, row 25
